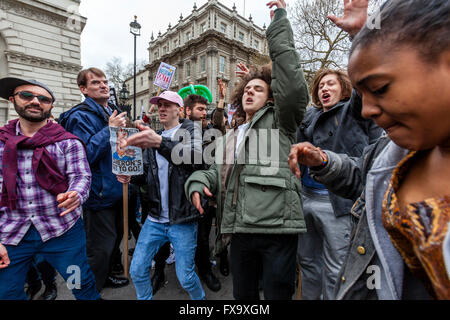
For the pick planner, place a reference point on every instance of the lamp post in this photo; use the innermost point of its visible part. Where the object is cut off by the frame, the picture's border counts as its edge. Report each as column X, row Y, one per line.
column 135, row 29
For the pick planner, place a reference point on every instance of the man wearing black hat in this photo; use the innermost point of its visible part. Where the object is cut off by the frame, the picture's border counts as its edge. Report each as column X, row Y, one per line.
column 44, row 179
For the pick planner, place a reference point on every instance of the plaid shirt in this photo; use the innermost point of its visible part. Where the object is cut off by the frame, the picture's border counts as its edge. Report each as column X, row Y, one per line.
column 38, row 207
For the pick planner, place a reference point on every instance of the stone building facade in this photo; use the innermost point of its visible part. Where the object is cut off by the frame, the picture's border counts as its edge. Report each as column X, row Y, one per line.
column 40, row 39
column 207, row 45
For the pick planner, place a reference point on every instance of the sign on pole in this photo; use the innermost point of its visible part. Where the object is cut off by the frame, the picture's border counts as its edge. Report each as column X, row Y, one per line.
column 164, row 76
column 127, row 162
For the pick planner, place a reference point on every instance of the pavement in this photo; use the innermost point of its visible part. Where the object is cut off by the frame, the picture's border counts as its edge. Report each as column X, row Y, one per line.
column 171, row 290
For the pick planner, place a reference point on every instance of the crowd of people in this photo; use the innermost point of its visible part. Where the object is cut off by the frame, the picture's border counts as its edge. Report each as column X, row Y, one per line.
column 355, row 191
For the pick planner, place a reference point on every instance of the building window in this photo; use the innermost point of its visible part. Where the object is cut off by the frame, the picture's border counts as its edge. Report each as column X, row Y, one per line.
column 203, row 63
column 222, row 63
column 241, row 36
column 156, row 54
column 256, row 44
column 142, row 81
column 188, row 69
column 203, row 27
column 223, row 27
column 188, row 36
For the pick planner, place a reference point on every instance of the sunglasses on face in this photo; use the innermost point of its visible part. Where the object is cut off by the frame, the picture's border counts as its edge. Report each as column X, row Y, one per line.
column 28, row 96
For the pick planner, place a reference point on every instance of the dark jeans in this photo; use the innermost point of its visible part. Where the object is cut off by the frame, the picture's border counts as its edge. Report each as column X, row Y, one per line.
column 274, row 255
column 102, row 237
column 133, row 226
column 41, row 270
column 203, row 253
column 66, row 253
column 133, row 206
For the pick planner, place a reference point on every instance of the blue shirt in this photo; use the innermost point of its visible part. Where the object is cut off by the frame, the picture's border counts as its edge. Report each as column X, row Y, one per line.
column 313, row 185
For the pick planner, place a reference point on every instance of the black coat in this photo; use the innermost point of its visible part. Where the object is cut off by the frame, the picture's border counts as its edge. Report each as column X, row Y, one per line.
column 341, row 130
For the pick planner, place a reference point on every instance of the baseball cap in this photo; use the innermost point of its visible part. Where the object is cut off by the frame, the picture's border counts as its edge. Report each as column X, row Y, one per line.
column 169, row 96
column 8, row 85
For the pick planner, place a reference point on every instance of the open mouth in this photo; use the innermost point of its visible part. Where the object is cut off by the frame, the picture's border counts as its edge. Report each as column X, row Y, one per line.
column 326, row 97
column 249, row 101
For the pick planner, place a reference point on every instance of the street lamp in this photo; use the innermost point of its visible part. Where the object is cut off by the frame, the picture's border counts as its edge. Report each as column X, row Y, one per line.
column 124, row 95
column 135, row 29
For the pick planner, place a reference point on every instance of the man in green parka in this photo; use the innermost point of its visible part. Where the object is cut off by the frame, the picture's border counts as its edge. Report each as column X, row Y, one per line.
column 259, row 206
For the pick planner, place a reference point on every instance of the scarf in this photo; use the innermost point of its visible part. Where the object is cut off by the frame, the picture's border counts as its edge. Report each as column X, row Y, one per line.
column 44, row 166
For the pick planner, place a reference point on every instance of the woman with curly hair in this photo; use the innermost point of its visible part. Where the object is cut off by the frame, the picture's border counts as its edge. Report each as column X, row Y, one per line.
column 333, row 123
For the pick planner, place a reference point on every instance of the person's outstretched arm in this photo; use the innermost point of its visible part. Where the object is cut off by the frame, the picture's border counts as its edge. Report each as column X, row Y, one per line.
column 288, row 82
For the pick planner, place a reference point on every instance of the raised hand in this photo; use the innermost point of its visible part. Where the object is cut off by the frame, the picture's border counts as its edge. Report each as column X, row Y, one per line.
column 69, row 201
column 243, row 70
column 355, row 16
column 153, row 109
column 196, row 200
column 278, row 4
column 4, row 259
column 118, row 121
column 222, row 89
column 306, row 154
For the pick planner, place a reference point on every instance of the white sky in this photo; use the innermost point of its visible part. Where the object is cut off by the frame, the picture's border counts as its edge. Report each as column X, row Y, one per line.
column 107, row 33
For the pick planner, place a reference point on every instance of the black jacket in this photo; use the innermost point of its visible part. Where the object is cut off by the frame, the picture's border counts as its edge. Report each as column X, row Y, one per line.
column 341, row 130
column 180, row 209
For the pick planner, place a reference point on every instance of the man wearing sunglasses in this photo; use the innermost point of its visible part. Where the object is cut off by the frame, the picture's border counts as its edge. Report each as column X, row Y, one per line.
column 44, row 180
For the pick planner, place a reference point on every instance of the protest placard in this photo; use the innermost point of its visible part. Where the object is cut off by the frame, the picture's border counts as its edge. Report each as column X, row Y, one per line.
column 164, row 76
column 125, row 161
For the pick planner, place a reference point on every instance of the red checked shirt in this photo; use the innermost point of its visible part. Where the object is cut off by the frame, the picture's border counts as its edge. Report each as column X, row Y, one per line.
column 36, row 206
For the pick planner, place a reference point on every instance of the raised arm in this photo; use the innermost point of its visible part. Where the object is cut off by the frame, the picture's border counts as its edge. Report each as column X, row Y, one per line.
column 288, row 82
column 217, row 119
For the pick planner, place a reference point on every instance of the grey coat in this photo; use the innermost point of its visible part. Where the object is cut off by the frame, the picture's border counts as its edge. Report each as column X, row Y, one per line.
column 372, row 254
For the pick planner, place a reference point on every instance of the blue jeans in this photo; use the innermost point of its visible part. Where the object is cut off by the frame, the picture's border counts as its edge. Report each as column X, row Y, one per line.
column 66, row 253
column 184, row 240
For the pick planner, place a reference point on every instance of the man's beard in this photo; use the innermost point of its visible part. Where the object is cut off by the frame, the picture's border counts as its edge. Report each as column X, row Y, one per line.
column 22, row 112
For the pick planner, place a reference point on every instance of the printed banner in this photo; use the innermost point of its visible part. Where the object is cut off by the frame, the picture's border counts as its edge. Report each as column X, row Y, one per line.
column 164, row 76
column 127, row 161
